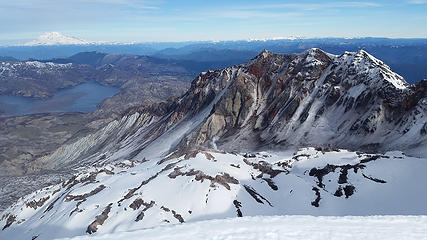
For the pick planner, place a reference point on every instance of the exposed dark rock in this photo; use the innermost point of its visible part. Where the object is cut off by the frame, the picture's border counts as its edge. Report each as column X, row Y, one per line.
column 285, row 165
column 372, row 158
column 9, row 221
column 343, row 174
column 297, row 157
column 77, row 209
column 238, row 205
column 338, row 192
column 256, row 195
column 271, row 184
column 177, row 216
column 325, row 149
column 304, row 114
column 363, row 100
column 136, row 204
column 423, row 130
column 349, row 190
column 140, row 216
column 165, row 209
column 374, row 179
column 100, row 219
column 333, row 96
column 319, row 173
column 36, row 204
column 224, row 179
column 315, row 203
column 52, row 204
column 133, row 190
column 84, row 196
column 148, row 205
column 174, row 213
column 265, row 168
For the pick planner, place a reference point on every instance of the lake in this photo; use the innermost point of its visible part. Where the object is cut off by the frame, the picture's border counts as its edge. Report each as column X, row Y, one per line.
column 81, row 98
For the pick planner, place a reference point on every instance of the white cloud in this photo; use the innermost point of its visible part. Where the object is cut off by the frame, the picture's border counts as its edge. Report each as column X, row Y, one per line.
column 38, row 4
column 418, row 2
column 129, row 3
column 313, row 6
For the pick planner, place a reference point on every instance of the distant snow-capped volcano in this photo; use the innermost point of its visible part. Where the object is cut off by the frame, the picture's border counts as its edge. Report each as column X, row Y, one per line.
column 55, row 38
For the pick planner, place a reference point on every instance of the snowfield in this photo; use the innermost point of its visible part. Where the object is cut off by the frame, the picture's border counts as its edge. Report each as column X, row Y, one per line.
column 203, row 185
column 284, row 227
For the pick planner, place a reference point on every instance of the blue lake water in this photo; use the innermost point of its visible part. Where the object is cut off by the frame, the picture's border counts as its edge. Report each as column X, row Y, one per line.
column 81, row 98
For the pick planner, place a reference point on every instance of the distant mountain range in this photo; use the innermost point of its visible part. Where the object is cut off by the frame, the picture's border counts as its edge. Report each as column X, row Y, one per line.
column 408, row 57
column 42, row 78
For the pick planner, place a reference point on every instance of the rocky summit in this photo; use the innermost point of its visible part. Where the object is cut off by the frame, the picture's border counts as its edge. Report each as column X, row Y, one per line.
column 313, row 99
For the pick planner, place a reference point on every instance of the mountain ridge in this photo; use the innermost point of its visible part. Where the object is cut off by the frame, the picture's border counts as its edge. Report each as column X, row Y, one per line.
column 277, row 104
column 208, row 85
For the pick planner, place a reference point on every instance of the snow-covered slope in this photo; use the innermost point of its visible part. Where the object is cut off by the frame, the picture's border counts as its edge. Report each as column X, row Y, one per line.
column 11, row 69
column 285, row 227
column 179, row 161
column 201, row 185
column 55, row 38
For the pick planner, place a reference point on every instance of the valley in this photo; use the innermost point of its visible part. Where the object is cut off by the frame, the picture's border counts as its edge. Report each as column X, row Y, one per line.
column 84, row 97
column 69, row 100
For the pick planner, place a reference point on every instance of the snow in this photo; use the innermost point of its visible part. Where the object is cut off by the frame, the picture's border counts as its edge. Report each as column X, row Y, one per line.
column 37, row 64
column 168, row 140
column 55, row 38
column 9, row 69
column 363, row 61
column 195, row 197
column 275, row 39
column 355, row 91
column 284, row 227
column 311, row 60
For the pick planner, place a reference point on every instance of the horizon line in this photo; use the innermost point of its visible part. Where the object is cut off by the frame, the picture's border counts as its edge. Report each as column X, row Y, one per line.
column 290, row 38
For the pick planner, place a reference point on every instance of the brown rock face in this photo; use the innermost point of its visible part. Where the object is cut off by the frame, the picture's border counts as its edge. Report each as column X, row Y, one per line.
column 351, row 101
column 100, row 219
column 310, row 99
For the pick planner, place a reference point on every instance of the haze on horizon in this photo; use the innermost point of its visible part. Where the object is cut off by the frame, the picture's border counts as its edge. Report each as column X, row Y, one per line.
column 197, row 20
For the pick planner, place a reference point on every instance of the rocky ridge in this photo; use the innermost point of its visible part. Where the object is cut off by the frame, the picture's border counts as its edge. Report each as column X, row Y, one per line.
column 351, row 101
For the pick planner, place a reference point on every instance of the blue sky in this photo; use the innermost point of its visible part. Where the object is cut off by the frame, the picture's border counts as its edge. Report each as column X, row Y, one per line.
column 145, row 21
